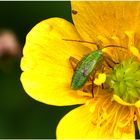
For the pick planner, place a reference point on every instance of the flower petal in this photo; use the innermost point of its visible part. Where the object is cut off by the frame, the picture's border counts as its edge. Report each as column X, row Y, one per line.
column 138, row 118
column 105, row 18
column 47, row 71
column 92, row 121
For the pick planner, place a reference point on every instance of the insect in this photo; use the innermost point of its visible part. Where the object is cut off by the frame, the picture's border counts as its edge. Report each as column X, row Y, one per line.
column 85, row 68
column 87, row 65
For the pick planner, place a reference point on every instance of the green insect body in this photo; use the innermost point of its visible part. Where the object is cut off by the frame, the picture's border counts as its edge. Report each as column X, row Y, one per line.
column 85, row 68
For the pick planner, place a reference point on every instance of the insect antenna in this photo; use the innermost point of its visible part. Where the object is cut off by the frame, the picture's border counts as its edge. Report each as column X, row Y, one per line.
column 98, row 45
column 114, row 46
column 82, row 41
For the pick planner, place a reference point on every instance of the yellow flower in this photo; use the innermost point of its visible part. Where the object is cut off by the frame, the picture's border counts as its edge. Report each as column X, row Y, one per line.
column 47, row 72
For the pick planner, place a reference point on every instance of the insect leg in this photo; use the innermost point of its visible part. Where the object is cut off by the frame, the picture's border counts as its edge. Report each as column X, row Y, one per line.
column 108, row 64
column 92, row 80
column 92, row 89
column 109, row 61
column 103, row 66
column 73, row 61
column 115, row 46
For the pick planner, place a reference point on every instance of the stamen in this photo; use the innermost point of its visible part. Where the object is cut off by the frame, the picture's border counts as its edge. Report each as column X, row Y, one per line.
column 103, row 39
column 112, row 118
column 135, row 51
column 130, row 35
column 101, row 79
column 124, row 81
column 84, row 94
column 116, row 39
column 131, row 45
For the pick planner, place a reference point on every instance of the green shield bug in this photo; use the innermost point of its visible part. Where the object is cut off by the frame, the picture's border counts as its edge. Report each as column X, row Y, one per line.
column 85, row 68
column 87, row 65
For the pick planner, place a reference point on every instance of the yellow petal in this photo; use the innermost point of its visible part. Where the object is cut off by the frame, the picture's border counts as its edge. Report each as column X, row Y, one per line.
column 138, row 119
column 47, row 72
column 98, row 119
column 106, row 19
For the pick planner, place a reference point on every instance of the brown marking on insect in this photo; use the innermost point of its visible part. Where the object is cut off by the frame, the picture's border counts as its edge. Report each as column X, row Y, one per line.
column 85, row 72
column 74, row 12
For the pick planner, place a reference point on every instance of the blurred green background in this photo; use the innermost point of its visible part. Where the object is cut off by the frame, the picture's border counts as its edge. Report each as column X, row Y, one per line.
column 20, row 115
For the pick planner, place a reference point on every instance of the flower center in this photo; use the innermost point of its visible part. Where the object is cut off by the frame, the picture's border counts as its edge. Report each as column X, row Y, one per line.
column 125, row 80
column 119, row 69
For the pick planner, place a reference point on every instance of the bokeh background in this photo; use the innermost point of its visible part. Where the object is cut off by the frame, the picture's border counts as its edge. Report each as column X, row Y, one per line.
column 20, row 115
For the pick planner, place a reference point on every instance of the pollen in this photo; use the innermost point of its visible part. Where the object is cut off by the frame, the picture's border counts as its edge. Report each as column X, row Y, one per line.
column 100, row 80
